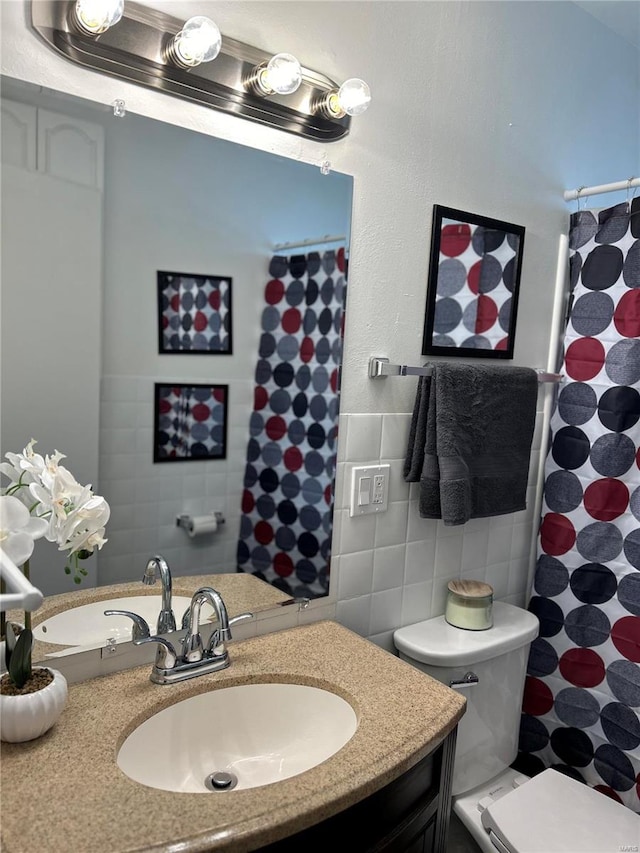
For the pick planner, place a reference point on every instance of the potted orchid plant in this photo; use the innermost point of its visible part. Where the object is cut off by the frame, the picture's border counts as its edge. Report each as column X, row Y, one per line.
column 42, row 500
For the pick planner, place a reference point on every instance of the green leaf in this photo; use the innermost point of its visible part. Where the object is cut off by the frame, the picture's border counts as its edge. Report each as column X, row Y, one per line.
column 20, row 664
column 10, row 643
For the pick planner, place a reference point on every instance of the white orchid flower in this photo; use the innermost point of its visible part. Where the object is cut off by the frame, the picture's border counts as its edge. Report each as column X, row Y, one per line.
column 24, row 469
column 27, row 461
column 75, row 513
column 62, row 509
column 18, row 529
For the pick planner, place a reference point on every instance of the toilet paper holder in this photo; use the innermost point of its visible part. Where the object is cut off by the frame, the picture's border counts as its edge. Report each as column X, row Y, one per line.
column 185, row 520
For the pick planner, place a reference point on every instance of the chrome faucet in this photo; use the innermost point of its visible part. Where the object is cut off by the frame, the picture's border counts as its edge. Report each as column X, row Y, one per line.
column 195, row 659
column 166, row 619
column 192, row 647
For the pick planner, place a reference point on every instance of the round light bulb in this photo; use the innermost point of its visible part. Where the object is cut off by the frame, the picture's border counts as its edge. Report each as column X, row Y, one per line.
column 354, row 96
column 283, row 74
column 198, row 41
column 96, row 16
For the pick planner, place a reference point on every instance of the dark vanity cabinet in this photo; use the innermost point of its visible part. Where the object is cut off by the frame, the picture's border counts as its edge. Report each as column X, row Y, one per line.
column 409, row 815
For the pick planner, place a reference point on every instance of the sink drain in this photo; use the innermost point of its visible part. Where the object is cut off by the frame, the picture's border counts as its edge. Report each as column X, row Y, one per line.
column 221, row 781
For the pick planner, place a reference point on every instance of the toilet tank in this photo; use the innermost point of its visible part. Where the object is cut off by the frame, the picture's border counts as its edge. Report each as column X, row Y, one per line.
column 488, row 733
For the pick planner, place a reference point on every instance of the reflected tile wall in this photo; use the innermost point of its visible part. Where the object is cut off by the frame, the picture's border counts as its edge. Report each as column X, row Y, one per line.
column 145, row 498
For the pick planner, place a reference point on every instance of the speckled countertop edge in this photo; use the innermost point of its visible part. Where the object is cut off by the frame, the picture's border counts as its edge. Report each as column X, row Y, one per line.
column 65, row 792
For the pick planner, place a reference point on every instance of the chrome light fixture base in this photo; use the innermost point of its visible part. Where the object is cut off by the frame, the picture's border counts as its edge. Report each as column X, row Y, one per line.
column 254, row 81
column 138, row 49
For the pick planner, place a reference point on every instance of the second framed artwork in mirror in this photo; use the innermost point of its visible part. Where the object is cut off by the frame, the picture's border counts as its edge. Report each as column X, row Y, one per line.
column 474, row 279
column 190, row 422
column 194, row 313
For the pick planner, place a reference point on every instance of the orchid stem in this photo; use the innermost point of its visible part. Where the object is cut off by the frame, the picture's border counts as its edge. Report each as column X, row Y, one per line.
column 27, row 615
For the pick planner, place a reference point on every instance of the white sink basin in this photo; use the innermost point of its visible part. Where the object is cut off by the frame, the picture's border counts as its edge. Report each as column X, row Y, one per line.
column 255, row 733
column 87, row 624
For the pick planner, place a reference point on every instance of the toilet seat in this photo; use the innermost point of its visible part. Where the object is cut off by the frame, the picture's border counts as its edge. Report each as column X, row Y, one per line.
column 552, row 813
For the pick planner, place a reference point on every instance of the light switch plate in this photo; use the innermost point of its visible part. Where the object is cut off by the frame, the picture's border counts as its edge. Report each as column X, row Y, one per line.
column 369, row 489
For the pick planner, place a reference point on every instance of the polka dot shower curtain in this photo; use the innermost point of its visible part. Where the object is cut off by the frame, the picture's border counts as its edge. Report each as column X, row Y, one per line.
column 582, row 694
column 287, row 503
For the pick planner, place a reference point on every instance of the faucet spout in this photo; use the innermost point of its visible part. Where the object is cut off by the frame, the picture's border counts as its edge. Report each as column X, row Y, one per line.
column 158, row 565
column 192, row 647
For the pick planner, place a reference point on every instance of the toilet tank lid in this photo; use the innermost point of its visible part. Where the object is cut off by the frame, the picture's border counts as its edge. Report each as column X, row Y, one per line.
column 437, row 643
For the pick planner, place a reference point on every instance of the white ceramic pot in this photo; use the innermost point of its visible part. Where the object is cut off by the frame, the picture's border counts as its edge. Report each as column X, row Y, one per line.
column 31, row 715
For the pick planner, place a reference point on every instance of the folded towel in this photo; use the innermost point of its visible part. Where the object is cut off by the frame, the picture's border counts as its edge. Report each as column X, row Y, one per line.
column 477, row 442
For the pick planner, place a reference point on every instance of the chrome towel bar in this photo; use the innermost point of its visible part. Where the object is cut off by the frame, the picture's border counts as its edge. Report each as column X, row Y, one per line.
column 380, row 367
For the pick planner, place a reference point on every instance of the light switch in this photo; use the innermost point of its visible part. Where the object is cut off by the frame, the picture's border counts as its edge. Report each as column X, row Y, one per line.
column 364, row 491
column 369, row 489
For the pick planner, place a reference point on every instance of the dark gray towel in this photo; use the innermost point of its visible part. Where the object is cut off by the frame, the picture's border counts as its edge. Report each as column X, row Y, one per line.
column 417, row 432
column 477, row 444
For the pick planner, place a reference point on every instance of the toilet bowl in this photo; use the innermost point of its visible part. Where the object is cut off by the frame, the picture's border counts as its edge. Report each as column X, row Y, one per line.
column 501, row 808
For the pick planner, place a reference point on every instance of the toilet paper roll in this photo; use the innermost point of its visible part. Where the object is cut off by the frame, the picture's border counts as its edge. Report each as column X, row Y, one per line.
column 201, row 525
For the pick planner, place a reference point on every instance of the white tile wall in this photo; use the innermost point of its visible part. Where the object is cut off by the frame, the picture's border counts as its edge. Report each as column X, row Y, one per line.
column 393, row 568
column 388, row 570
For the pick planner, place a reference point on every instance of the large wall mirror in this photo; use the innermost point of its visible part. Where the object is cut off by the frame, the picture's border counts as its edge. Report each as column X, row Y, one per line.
column 474, row 278
column 93, row 207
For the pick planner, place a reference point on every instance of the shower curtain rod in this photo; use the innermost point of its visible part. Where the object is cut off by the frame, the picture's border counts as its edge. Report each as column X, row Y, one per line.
column 569, row 195
column 337, row 238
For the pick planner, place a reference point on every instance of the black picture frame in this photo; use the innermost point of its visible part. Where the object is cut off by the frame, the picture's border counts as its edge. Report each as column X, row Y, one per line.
column 473, row 286
column 190, row 421
column 194, row 314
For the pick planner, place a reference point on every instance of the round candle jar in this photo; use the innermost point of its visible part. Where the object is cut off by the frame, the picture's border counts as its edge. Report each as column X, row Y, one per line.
column 469, row 605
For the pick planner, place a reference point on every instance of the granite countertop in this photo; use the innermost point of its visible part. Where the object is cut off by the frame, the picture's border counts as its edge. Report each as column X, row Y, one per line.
column 64, row 791
column 242, row 592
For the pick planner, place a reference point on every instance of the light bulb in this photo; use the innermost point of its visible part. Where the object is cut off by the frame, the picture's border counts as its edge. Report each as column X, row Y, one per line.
column 354, row 96
column 282, row 74
column 198, row 41
column 96, row 16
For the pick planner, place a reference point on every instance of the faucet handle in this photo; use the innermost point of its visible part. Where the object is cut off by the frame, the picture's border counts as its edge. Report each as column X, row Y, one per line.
column 166, row 655
column 242, row 617
column 139, row 629
column 219, row 635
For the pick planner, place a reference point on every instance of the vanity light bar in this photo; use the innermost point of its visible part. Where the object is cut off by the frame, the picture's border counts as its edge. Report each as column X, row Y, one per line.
column 140, row 48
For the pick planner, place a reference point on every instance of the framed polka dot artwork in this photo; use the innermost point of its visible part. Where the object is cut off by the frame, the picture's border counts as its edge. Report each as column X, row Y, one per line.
column 194, row 314
column 474, row 280
column 190, row 422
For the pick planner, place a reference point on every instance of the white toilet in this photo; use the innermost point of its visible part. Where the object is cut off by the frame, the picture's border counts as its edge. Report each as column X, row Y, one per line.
column 502, row 809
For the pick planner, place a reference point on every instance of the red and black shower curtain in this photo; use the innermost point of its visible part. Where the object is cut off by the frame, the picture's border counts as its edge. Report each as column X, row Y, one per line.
column 287, row 502
column 582, row 695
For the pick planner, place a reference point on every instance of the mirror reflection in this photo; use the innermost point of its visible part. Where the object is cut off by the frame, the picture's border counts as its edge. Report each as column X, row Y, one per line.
column 102, row 617
column 474, row 278
column 94, row 207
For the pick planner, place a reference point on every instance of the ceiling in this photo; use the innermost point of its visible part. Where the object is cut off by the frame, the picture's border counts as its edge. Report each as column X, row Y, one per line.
column 621, row 16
